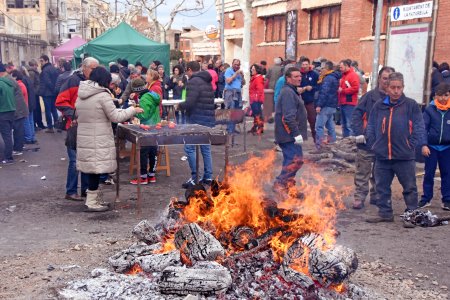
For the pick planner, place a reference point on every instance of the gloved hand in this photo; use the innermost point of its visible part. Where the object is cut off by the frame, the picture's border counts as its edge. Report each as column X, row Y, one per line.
column 298, row 140
column 360, row 139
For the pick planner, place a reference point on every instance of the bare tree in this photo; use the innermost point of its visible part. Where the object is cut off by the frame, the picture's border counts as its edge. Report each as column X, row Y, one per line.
column 101, row 12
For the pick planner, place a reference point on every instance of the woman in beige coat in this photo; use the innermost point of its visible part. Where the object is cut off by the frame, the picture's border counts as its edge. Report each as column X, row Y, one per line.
column 96, row 151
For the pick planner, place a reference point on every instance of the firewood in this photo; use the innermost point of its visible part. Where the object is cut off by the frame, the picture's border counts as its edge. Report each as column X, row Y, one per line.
column 350, row 157
column 158, row 262
column 197, row 244
column 125, row 259
column 337, row 162
column 290, row 275
column 241, row 235
column 264, row 238
column 333, row 266
column 144, row 231
column 316, row 157
column 206, row 278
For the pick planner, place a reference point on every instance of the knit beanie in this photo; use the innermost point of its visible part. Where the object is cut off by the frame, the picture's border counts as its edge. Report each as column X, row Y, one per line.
column 137, row 85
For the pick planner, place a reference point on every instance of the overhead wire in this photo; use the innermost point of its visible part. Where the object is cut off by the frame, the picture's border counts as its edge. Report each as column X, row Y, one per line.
column 199, row 12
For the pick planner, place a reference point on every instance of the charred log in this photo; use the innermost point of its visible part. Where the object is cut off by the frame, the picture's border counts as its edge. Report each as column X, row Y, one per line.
column 350, row 157
column 241, row 236
column 263, row 239
column 144, row 231
column 197, row 244
column 337, row 162
column 292, row 276
column 124, row 260
column 315, row 157
column 158, row 262
column 206, row 278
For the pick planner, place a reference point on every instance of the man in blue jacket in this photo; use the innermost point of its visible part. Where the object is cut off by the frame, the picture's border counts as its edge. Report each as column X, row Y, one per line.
column 364, row 156
column 326, row 103
column 395, row 129
column 308, row 89
column 290, row 130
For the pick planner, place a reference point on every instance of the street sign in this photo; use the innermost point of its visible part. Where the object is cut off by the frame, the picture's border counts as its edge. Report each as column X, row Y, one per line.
column 413, row 11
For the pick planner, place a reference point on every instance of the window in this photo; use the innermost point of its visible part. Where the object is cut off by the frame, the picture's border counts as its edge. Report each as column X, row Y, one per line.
column 275, row 29
column 2, row 20
column 21, row 3
column 325, row 23
column 384, row 14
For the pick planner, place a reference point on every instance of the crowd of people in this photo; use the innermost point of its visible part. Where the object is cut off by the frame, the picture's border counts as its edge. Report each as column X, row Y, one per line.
column 387, row 125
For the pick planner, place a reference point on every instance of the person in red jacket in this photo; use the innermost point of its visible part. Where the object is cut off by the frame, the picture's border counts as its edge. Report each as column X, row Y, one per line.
column 256, row 96
column 347, row 95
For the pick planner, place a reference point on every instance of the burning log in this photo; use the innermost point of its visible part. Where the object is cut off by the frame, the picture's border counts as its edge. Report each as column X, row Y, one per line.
column 145, row 232
column 332, row 267
column 263, row 239
column 206, row 278
column 292, row 276
column 350, row 157
column 197, row 244
column 125, row 259
column 241, row 235
column 158, row 262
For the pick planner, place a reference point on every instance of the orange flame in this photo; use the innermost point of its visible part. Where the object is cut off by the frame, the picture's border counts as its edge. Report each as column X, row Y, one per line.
column 340, row 288
column 135, row 269
column 242, row 202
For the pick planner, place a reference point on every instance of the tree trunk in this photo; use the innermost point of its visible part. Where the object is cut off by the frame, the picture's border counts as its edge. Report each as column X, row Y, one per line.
column 205, row 278
column 197, row 244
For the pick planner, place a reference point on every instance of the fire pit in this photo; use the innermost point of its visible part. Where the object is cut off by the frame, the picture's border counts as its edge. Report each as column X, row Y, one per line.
column 234, row 242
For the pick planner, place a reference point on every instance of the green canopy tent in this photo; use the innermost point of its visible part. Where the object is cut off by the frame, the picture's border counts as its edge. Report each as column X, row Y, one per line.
column 124, row 42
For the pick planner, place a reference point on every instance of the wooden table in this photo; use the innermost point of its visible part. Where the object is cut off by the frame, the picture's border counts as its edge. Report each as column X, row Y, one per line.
column 186, row 134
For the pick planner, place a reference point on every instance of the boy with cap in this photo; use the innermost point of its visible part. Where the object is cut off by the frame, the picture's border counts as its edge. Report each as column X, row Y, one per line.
column 149, row 102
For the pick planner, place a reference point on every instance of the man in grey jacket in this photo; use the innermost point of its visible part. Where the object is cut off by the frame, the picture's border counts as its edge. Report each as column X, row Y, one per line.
column 290, row 130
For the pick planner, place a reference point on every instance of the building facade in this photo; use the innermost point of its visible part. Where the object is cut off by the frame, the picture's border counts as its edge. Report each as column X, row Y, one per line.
column 332, row 29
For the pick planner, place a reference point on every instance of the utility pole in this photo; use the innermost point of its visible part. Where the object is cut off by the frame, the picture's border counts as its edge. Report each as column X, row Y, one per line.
column 222, row 31
column 376, row 44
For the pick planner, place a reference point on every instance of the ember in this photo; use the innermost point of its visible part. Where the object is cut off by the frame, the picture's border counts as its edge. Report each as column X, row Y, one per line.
column 135, row 269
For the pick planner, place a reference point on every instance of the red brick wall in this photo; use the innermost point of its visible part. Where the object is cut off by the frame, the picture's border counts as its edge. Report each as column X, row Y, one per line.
column 442, row 47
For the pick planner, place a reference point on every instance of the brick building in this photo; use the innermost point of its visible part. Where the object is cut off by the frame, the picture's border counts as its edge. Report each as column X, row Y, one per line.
column 334, row 29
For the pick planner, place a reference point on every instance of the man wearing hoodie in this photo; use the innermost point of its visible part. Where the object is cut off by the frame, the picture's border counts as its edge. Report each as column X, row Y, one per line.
column 348, row 95
column 199, row 107
column 326, row 103
column 395, row 129
column 7, row 110
column 308, row 89
column 365, row 158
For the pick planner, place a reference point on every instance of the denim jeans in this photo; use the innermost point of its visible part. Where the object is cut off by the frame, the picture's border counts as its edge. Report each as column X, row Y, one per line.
column 232, row 100
column 346, row 115
column 72, row 175
column 292, row 162
column 325, row 120
column 431, row 162
column 207, row 160
column 385, row 170
column 18, row 134
column 29, row 128
column 50, row 110
column 149, row 155
column 6, row 126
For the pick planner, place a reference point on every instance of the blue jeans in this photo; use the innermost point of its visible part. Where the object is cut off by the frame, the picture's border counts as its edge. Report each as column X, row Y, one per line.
column 207, row 160
column 443, row 159
column 325, row 120
column 232, row 100
column 50, row 110
column 346, row 116
column 72, row 175
column 385, row 170
column 292, row 162
column 29, row 128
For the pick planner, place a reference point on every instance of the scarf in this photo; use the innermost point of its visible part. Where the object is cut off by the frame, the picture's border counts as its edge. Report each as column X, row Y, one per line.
column 442, row 107
column 323, row 75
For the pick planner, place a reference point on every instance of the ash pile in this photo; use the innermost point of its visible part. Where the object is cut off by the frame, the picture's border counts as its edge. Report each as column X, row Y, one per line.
column 338, row 157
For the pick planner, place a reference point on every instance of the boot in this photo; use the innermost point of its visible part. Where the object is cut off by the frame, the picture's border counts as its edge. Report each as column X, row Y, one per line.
column 92, row 202
column 100, row 200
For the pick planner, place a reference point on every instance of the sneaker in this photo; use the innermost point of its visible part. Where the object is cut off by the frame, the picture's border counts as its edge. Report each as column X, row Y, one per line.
column 380, row 219
column 142, row 181
column 446, row 206
column 17, row 153
column 206, row 181
column 151, row 179
column 188, row 184
column 49, row 130
column 31, row 142
column 8, row 162
column 424, row 203
column 74, row 197
column 109, row 181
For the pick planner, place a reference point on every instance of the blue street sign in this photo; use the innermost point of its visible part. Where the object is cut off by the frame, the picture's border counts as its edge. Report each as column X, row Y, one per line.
column 396, row 13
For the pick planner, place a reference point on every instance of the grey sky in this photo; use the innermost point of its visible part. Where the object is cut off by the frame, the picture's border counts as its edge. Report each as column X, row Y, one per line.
column 189, row 18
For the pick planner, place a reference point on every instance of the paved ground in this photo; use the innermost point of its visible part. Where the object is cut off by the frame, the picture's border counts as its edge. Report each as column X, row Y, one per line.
column 39, row 230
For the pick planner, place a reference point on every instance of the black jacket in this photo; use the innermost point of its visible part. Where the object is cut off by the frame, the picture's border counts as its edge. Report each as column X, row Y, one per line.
column 165, row 82
column 437, row 125
column 290, row 115
column 309, row 78
column 47, row 80
column 199, row 104
column 60, row 80
column 31, row 94
column 394, row 131
column 34, row 76
column 361, row 113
